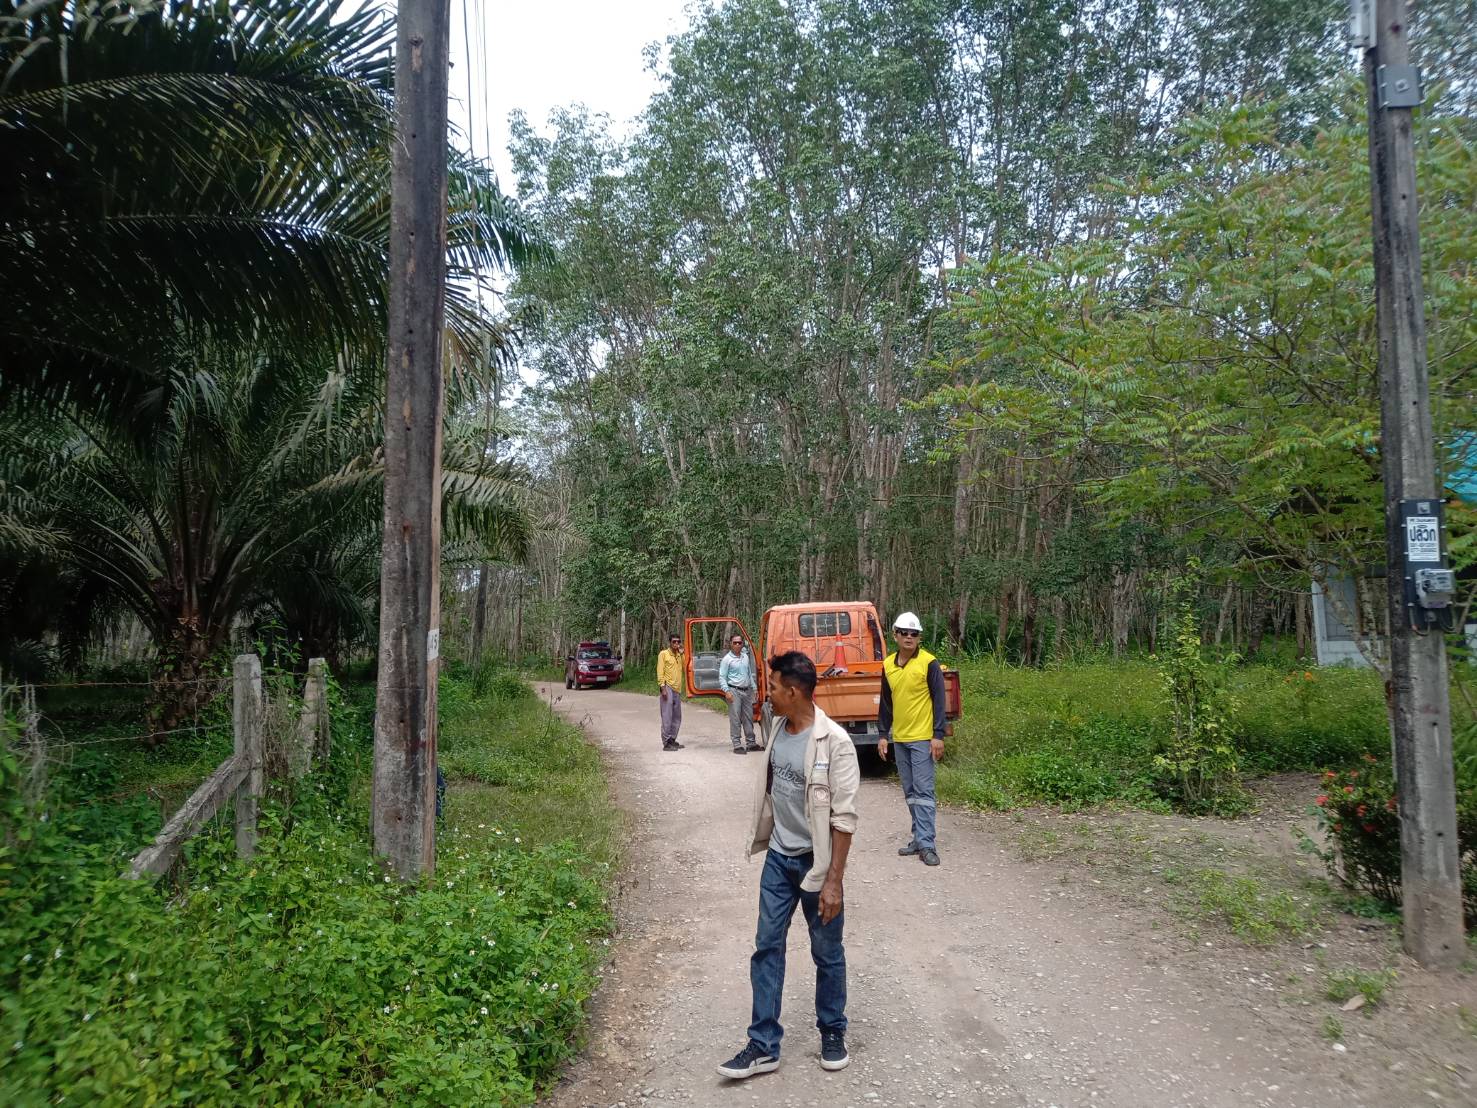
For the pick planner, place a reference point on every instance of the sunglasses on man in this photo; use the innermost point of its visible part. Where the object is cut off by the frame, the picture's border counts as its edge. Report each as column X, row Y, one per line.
column 907, row 634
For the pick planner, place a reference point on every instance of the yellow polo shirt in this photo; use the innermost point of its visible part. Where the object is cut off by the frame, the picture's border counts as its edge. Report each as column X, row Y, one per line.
column 669, row 669
column 912, row 700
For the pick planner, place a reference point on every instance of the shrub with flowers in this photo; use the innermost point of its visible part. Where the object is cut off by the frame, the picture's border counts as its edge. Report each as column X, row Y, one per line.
column 1360, row 818
column 1359, row 813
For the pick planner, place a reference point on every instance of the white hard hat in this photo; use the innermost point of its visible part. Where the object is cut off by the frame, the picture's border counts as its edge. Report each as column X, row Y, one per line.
column 907, row 622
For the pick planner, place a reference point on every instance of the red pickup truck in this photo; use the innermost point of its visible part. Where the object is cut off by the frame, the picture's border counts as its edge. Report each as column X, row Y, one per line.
column 593, row 665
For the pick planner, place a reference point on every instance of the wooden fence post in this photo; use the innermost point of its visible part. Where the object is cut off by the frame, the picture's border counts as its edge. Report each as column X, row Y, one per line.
column 35, row 748
column 246, row 719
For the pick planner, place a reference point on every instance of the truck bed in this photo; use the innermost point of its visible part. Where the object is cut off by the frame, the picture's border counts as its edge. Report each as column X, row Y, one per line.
column 851, row 699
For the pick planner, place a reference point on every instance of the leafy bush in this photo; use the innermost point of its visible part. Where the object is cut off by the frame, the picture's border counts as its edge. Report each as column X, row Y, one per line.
column 1197, row 766
column 305, row 975
column 1358, row 813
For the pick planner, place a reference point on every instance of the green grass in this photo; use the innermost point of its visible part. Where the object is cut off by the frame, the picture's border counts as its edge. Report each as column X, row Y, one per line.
column 308, row 974
column 1086, row 734
column 1342, row 985
column 1247, row 906
column 514, row 767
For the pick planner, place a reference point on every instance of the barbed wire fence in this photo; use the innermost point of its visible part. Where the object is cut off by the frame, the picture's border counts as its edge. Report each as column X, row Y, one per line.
column 275, row 732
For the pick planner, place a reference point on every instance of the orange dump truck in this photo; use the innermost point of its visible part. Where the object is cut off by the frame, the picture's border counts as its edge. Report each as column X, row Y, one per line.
column 844, row 639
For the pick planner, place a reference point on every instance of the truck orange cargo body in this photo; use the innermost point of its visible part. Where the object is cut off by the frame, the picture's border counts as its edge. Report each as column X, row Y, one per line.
column 844, row 639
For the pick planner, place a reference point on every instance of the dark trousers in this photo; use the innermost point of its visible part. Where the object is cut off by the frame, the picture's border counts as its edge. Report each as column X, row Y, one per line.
column 779, row 892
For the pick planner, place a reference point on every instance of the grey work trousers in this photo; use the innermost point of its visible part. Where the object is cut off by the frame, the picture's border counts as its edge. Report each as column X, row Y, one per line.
column 741, row 716
column 671, row 705
column 915, row 770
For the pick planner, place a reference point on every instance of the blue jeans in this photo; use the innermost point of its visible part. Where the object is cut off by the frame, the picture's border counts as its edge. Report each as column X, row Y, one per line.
column 915, row 769
column 779, row 892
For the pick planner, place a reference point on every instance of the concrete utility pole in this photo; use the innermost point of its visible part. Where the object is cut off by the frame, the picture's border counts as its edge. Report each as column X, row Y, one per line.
column 410, row 583
column 1420, row 714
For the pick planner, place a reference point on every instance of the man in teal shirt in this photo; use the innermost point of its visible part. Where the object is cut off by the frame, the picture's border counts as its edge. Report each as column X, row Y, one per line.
column 736, row 679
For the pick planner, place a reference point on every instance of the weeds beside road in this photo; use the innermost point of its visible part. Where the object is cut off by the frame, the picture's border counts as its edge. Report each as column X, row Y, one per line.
column 308, row 975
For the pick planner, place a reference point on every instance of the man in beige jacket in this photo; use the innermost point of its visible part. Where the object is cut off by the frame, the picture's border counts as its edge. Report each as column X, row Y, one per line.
column 804, row 817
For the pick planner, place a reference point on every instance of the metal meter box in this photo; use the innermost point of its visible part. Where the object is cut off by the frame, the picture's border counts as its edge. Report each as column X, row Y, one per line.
column 1429, row 586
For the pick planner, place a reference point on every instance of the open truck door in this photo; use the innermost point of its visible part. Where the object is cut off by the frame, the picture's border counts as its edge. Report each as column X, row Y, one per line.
column 705, row 639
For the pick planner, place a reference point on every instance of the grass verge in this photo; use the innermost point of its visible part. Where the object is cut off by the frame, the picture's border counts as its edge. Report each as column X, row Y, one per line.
column 1086, row 735
column 308, row 975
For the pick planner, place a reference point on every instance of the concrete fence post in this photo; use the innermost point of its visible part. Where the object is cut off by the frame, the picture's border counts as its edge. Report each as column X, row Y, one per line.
column 246, row 719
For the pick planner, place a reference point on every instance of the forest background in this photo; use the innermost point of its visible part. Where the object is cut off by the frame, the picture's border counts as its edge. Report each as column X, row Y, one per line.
column 998, row 312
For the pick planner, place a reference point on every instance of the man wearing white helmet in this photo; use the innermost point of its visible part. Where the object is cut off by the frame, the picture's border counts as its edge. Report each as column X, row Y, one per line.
column 910, row 714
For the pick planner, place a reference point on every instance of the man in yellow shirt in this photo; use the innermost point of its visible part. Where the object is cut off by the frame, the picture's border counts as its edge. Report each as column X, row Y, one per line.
column 669, row 678
column 910, row 712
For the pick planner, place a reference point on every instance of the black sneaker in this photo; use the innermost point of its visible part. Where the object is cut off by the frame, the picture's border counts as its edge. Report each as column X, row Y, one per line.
column 833, row 1050
column 752, row 747
column 739, row 750
column 909, row 850
column 930, row 857
column 751, row 1060
column 672, row 746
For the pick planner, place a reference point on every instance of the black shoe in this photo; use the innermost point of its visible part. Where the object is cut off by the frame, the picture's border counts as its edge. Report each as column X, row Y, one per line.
column 909, row 850
column 930, row 857
column 751, row 1060
column 752, row 747
column 673, row 745
column 833, row 1050
column 739, row 750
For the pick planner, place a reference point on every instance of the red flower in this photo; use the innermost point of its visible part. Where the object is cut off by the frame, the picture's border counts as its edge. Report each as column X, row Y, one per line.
column 1348, row 788
column 1361, row 811
column 1370, row 758
column 1338, row 827
column 1329, row 776
column 1321, row 801
column 1390, row 804
column 1369, row 828
column 1353, row 774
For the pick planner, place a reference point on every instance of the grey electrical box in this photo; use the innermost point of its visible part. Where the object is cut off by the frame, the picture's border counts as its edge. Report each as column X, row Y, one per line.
column 1430, row 587
column 1399, row 86
column 1361, row 24
column 1435, row 588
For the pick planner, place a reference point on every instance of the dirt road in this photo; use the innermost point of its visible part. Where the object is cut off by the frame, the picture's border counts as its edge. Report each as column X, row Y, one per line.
column 981, row 982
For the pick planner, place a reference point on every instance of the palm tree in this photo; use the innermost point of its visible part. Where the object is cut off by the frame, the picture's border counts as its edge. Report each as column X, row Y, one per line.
column 180, row 172
column 257, row 487
column 193, row 309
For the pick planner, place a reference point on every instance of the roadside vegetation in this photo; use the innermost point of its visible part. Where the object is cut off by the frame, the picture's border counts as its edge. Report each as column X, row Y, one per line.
column 1087, row 733
column 305, row 975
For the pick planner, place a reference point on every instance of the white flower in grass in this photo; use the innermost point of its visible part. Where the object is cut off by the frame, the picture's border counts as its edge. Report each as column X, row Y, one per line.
column 86, row 1016
column 484, row 1010
column 56, row 954
column 26, row 960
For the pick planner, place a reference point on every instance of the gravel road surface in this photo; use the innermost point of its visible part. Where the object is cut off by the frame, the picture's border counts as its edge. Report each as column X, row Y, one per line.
column 980, row 982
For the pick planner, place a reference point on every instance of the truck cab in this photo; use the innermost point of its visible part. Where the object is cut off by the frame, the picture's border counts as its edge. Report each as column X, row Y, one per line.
column 843, row 638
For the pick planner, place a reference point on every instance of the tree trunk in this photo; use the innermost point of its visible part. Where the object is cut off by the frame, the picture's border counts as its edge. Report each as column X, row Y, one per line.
column 1122, row 596
column 479, row 616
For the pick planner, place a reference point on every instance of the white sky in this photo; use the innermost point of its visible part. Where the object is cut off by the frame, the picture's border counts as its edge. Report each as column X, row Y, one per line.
column 550, row 53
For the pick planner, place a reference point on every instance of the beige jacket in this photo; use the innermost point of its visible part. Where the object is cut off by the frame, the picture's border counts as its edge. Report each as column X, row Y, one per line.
column 831, row 786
